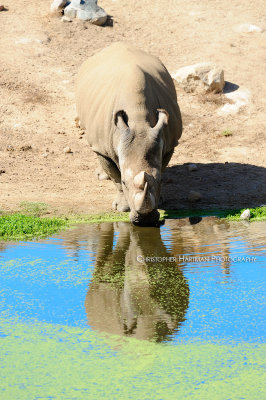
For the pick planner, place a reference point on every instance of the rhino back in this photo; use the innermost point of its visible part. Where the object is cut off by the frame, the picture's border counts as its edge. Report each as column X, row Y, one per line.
column 121, row 77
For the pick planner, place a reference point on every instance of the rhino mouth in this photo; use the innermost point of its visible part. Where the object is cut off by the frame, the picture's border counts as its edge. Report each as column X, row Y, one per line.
column 149, row 219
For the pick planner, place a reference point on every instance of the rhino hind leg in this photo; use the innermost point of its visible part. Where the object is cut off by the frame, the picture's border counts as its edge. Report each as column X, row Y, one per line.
column 112, row 172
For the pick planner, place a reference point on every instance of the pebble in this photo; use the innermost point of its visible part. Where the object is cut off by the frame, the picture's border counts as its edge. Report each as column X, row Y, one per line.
column 67, row 150
column 26, row 147
column 169, row 180
column 245, row 214
column 10, row 148
column 66, row 19
column 193, row 196
column 249, row 28
column 192, row 167
column 2, row 8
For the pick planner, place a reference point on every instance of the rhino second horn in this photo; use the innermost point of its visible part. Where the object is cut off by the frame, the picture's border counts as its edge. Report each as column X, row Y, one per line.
column 139, row 180
column 144, row 201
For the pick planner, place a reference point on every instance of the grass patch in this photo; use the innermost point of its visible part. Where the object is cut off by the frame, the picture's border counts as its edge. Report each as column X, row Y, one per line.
column 34, row 209
column 256, row 214
column 25, row 227
column 227, row 133
column 20, row 226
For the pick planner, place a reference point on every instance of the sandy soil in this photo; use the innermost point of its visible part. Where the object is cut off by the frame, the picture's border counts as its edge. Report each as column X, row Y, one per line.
column 39, row 58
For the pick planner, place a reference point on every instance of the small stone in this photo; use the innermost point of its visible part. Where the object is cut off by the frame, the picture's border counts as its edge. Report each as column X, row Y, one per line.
column 2, row 8
column 45, row 155
column 66, row 19
column 26, row 147
column 245, row 214
column 10, row 148
column 193, row 196
column 67, row 150
column 169, row 180
column 192, row 167
column 2, row 171
column 202, row 77
column 249, row 28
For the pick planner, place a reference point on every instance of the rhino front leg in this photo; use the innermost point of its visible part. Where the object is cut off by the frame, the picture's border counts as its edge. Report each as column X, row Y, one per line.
column 111, row 170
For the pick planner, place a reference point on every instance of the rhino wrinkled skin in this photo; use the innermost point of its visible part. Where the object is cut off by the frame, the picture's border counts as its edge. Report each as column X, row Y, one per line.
column 126, row 102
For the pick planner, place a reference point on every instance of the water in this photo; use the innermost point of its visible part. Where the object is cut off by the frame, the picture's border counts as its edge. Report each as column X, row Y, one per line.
column 183, row 297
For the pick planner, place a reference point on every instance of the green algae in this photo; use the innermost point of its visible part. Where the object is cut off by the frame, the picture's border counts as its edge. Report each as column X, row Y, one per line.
column 53, row 361
column 20, row 226
column 26, row 227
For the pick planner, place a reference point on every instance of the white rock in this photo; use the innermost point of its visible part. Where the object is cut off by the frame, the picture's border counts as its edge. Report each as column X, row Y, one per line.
column 203, row 77
column 67, row 150
column 240, row 98
column 45, row 155
column 248, row 28
column 194, row 196
column 86, row 10
column 192, row 167
column 57, row 5
column 245, row 214
column 66, row 19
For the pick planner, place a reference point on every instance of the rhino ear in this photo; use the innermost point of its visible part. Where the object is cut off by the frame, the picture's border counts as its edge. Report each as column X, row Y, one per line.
column 121, row 119
column 163, row 118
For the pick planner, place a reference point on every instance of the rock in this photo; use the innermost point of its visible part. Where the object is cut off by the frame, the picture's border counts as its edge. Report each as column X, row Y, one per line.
column 10, row 147
column 245, row 214
column 192, row 167
column 2, row 171
column 45, row 155
column 248, row 28
column 58, row 5
column 169, row 180
column 2, row 8
column 66, row 19
column 67, row 150
column 239, row 99
column 202, row 77
column 193, row 197
column 86, row 10
column 25, row 147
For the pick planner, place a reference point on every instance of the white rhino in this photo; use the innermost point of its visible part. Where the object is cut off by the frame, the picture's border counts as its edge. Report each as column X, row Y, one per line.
column 126, row 101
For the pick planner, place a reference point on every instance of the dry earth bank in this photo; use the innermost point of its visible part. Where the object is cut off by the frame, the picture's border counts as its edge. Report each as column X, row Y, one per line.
column 39, row 58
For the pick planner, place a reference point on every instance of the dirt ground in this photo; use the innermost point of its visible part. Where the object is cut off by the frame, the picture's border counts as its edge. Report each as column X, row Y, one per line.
column 39, row 59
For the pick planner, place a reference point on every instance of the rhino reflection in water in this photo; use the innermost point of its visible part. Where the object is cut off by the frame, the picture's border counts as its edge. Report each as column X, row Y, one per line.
column 126, row 297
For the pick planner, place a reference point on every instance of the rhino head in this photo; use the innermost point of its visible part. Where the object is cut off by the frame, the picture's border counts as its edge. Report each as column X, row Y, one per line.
column 140, row 152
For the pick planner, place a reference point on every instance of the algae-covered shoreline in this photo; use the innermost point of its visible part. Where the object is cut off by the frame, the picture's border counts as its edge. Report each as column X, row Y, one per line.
column 27, row 226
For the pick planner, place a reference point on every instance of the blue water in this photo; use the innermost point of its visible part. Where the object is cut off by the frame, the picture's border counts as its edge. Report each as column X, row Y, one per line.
column 48, row 281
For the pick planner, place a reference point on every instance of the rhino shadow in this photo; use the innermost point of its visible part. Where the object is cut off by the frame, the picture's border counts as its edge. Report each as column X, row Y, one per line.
column 222, row 186
column 146, row 300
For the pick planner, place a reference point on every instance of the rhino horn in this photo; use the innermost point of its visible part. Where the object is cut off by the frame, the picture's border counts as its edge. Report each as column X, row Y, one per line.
column 140, row 180
column 144, row 200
